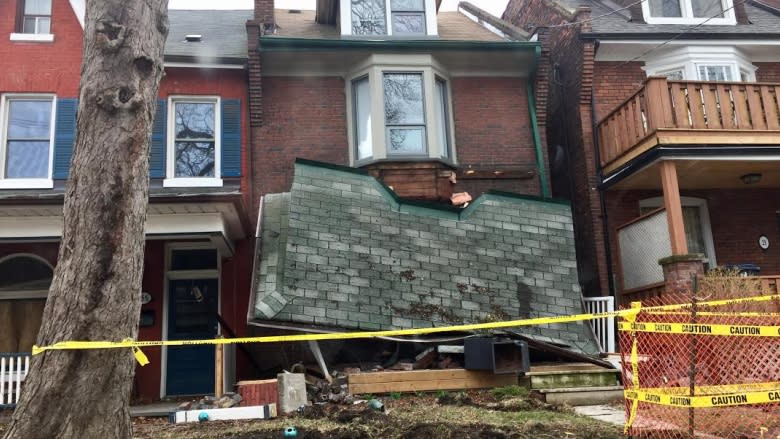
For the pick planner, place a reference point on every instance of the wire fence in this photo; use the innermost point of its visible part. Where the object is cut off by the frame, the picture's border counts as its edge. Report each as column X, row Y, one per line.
column 704, row 371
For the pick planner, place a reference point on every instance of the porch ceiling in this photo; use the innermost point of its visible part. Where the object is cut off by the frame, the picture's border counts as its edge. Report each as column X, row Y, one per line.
column 706, row 174
column 19, row 222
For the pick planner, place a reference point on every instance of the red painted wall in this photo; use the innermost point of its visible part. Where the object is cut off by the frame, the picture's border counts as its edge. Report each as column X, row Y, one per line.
column 41, row 67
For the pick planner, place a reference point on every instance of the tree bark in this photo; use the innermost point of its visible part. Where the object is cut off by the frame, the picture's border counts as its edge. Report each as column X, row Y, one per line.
column 96, row 290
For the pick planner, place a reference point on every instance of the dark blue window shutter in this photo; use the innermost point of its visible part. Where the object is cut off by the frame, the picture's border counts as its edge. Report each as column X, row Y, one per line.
column 231, row 138
column 157, row 152
column 64, row 136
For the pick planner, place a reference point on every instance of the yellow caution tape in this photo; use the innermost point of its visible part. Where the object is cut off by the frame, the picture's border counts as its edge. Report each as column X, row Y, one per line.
column 629, row 314
column 702, row 329
column 716, row 389
column 702, row 401
column 634, row 370
column 717, row 314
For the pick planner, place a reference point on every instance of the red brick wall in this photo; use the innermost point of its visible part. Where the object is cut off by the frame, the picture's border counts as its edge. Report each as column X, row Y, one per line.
column 737, row 217
column 767, row 71
column 302, row 118
column 492, row 127
column 613, row 82
column 41, row 67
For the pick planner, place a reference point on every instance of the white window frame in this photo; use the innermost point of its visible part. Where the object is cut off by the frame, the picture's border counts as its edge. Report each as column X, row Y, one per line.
column 704, row 216
column 374, row 68
column 170, row 148
column 690, row 58
column 431, row 25
column 26, row 183
column 686, row 7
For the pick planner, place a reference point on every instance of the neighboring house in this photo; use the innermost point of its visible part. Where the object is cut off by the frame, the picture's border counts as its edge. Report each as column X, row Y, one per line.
column 669, row 105
column 401, row 106
column 198, row 257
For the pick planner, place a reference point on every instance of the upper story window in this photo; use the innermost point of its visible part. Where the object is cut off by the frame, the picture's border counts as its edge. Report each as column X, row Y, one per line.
column 194, row 142
column 389, row 17
column 688, row 11
column 707, row 63
column 26, row 135
column 36, row 17
column 410, row 108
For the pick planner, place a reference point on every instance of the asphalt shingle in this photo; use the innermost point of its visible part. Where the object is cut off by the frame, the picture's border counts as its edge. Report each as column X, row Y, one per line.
column 223, row 33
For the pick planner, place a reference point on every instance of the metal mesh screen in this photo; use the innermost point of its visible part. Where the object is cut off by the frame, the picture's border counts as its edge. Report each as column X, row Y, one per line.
column 642, row 244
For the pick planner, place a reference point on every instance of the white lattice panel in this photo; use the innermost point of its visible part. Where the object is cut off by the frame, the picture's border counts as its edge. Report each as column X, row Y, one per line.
column 642, row 244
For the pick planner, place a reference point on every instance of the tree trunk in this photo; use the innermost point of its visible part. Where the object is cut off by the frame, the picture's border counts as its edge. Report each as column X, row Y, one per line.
column 96, row 290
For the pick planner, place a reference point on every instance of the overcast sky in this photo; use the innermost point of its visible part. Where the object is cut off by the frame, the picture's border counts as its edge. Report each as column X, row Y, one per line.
column 495, row 7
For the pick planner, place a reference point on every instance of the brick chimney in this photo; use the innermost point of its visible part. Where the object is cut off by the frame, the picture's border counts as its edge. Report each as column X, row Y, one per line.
column 264, row 12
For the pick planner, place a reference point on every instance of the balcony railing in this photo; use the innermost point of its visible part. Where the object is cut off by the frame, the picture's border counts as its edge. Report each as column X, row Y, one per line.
column 689, row 112
column 13, row 371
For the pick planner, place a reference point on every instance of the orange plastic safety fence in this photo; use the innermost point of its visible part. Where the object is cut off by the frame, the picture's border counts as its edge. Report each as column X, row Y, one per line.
column 722, row 368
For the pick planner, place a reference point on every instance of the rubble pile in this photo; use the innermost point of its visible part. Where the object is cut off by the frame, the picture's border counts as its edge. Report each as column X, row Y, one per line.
column 227, row 400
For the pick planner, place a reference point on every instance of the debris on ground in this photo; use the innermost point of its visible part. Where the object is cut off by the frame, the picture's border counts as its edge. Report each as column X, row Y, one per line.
column 227, row 400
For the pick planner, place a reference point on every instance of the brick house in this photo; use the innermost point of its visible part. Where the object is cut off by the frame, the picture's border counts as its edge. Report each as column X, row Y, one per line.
column 665, row 135
column 198, row 257
column 366, row 117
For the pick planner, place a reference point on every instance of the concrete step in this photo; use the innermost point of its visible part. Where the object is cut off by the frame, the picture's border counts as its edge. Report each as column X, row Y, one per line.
column 559, row 379
column 578, row 396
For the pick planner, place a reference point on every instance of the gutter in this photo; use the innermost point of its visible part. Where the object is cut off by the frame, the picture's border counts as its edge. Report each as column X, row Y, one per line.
column 286, row 44
column 545, row 188
column 725, row 36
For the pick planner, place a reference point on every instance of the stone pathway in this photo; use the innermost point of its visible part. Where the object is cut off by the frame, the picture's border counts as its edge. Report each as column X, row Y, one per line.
column 604, row 413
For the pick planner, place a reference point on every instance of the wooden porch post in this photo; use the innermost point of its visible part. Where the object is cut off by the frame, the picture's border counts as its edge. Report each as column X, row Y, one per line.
column 673, row 208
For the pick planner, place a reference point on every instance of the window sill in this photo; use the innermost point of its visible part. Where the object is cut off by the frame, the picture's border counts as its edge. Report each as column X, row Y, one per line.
column 192, row 182
column 27, row 183
column 36, row 38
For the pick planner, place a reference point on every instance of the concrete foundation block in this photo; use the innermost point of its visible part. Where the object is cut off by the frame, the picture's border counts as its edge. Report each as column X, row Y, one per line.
column 292, row 392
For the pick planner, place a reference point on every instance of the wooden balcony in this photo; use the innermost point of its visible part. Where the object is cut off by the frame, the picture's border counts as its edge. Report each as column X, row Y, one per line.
column 666, row 112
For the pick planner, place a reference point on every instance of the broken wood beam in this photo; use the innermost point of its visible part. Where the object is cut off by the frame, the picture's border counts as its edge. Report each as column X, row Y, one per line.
column 426, row 380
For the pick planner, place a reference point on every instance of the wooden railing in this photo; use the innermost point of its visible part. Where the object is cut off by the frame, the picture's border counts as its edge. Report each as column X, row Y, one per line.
column 13, row 371
column 687, row 105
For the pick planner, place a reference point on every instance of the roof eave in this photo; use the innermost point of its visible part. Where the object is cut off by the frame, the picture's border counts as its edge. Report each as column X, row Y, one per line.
column 272, row 44
column 668, row 35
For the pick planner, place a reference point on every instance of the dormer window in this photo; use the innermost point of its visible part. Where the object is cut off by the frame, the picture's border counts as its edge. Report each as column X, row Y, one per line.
column 689, row 11
column 389, row 17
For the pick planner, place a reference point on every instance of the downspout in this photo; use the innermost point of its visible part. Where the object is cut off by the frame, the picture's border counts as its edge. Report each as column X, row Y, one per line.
column 543, row 184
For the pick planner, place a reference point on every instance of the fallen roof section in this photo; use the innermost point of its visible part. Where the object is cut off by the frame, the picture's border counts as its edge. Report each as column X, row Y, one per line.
column 341, row 250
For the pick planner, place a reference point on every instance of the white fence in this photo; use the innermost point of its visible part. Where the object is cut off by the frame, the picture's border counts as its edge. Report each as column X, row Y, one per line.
column 13, row 370
column 603, row 327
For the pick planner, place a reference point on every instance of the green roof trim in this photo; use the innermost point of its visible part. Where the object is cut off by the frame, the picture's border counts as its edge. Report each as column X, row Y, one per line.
column 430, row 209
column 286, row 44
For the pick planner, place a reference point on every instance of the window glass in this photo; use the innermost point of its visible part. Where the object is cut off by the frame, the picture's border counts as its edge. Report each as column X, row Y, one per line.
column 404, row 113
column 707, row 8
column 28, row 139
column 198, row 259
column 37, row 7
column 407, row 5
column 24, row 273
column 442, row 117
column 665, row 8
column 195, row 143
column 408, row 23
column 368, row 17
column 715, row 73
column 362, row 96
column 675, row 75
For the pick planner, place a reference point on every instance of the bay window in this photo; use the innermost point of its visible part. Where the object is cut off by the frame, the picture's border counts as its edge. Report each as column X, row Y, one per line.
column 399, row 112
column 703, row 63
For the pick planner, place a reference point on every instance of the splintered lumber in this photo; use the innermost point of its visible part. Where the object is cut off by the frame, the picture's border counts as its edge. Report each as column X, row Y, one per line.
column 426, row 380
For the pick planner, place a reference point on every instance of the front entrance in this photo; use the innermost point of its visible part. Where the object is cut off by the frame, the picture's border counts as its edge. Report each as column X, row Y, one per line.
column 193, row 304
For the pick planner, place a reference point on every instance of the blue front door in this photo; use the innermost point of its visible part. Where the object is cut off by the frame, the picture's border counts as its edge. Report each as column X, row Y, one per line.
column 192, row 315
